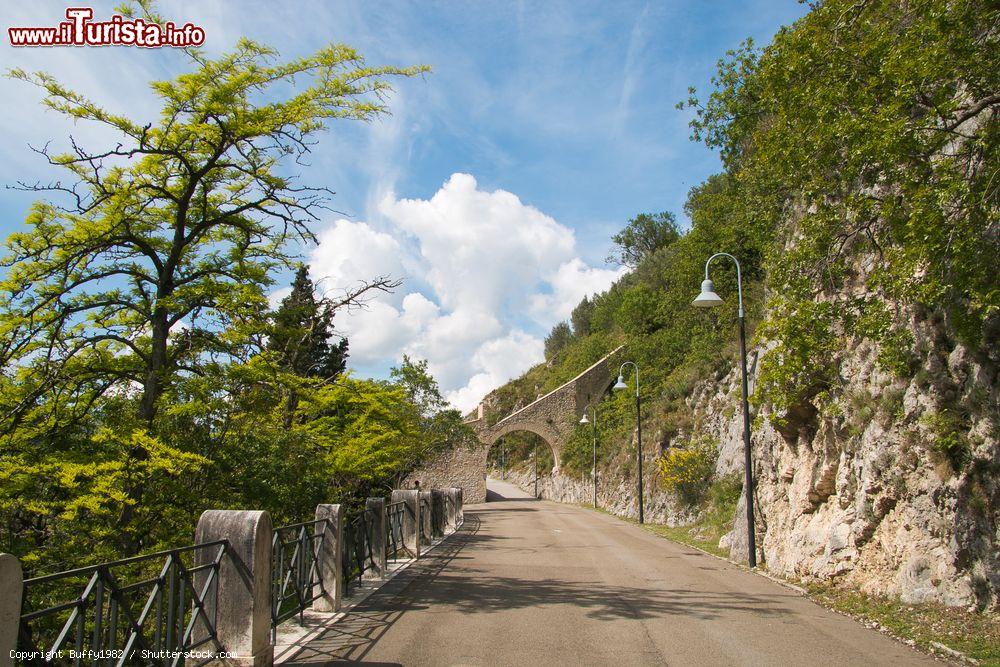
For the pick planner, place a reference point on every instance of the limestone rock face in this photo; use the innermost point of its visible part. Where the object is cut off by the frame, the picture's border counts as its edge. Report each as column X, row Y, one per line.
column 863, row 493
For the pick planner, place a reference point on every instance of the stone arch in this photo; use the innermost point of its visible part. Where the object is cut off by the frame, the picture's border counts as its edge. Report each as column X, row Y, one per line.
column 548, row 434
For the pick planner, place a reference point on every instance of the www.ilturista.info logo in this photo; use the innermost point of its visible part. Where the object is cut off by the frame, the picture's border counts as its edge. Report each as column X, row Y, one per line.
column 79, row 30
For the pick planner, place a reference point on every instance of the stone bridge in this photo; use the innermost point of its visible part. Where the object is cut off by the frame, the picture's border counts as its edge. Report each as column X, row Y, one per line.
column 552, row 417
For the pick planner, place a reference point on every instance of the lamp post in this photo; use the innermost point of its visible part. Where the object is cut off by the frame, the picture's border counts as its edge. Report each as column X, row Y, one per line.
column 503, row 462
column 584, row 420
column 707, row 299
column 638, row 422
column 534, row 464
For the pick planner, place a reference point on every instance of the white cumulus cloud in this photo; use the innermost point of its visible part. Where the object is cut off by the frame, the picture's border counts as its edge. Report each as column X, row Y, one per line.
column 486, row 278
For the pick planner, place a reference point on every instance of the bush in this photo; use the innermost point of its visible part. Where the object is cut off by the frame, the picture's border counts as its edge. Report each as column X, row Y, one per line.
column 687, row 472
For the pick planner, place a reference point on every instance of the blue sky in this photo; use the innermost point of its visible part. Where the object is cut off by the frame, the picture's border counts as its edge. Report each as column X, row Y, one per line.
column 495, row 186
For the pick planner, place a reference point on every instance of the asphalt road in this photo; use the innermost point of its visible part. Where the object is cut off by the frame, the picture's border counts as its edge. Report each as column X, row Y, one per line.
column 528, row 582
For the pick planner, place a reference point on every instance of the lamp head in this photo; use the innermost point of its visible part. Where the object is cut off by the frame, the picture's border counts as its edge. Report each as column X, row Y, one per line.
column 708, row 297
column 620, row 384
column 584, row 420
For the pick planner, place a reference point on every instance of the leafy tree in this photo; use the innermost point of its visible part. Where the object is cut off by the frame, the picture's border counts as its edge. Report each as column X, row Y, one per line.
column 642, row 236
column 158, row 251
column 867, row 133
column 580, row 317
column 421, row 389
column 439, row 424
column 558, row 338
column 133, row 306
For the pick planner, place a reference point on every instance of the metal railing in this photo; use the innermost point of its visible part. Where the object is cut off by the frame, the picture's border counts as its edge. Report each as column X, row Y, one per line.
column 356, row 554
column 296, row 579
column 111, row 612
column 394, row 529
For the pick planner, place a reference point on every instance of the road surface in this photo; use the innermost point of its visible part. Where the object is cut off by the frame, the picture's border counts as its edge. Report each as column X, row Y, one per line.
column 528, row 582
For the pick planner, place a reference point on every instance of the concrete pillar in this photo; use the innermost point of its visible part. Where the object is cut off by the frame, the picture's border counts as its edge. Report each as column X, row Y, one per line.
column 438, row 501
column 450, row 510
column 426, row 508
column 375, row 510
column 330, row 558
column 411, row 519
column 11, row 588
column 242, row 607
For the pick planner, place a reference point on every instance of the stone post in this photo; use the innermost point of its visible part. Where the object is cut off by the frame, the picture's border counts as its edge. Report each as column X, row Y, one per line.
column 11, row 588
column 449, row 510
column 375, row 510
column 438, row 501
column 329, row 551
column 242, row 607
column 425, row 517
column 411, row 518
column 460, row 511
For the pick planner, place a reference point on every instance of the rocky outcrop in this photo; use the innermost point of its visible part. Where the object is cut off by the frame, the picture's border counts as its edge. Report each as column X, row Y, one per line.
column 864, row 491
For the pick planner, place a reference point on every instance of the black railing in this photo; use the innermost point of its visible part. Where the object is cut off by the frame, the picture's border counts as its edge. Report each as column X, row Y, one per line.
column 148, row 609
column 394, row 529
column 356, row 555
column 296, row 574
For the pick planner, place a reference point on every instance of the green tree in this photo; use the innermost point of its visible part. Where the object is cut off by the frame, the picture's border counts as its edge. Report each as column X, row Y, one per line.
column 580, row 317
column 135, row 301
column 158, row 251
column 642, row 236
column 558, row 338
column 301, row 333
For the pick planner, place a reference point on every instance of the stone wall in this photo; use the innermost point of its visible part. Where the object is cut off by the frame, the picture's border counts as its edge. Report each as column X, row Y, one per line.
column 463, row 467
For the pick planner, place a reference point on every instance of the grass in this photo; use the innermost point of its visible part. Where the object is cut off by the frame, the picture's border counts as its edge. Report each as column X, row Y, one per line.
column 692, row 535
column 975, row 634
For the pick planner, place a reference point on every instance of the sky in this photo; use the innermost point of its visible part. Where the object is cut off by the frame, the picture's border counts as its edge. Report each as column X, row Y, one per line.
column 492, row 190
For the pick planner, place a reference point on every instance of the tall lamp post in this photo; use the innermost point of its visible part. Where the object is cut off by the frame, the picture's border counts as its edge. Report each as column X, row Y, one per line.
column 584, row 420
column 707, row 299
column 534, row 463
column 638, row 422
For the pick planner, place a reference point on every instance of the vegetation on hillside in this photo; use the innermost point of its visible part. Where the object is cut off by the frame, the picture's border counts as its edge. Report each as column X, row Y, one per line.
column 859, row 192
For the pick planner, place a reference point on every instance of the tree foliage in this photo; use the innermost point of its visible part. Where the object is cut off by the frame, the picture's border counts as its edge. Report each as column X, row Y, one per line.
column 642, row 236
column 558, row 338
column 301, row 333
column 873, row 128
column 144, row 379
column 155, row 255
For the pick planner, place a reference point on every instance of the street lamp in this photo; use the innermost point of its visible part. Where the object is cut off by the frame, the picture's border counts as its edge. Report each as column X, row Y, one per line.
column 638, row 422
column 707, row 299
column 584, row 420
column 534, row 464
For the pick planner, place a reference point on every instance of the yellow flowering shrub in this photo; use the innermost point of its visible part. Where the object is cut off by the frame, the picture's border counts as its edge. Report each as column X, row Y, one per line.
column 687, row 471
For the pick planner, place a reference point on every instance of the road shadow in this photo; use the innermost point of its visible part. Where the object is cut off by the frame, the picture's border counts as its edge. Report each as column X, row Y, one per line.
column 440, row 581
column 350, row 639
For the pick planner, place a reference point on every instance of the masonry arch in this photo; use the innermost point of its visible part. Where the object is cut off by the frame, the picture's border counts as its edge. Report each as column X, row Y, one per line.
column 547, row 435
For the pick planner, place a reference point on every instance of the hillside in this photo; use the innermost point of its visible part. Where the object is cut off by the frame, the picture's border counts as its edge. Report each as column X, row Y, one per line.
column 860, row 194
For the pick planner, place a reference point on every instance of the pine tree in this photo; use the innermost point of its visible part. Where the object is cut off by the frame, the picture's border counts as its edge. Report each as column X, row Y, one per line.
column 302, row 332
